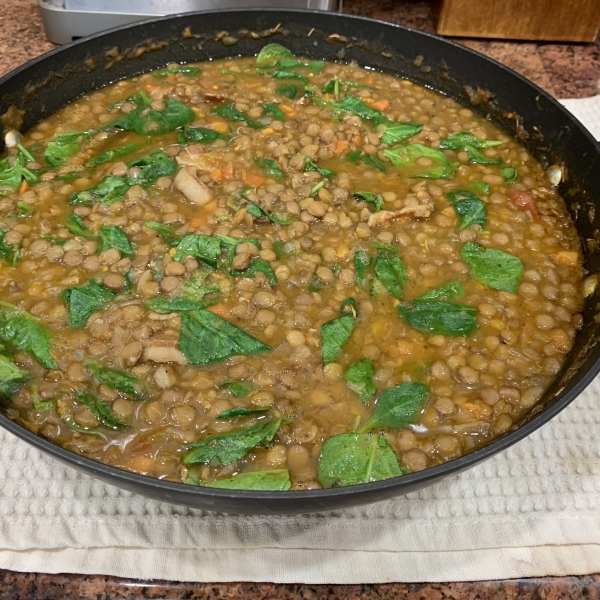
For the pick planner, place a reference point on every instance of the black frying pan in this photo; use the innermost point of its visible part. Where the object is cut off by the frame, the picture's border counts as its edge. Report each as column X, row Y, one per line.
column 553, row 135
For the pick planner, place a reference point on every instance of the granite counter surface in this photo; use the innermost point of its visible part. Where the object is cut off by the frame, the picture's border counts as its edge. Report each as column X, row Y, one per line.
column 564, row 70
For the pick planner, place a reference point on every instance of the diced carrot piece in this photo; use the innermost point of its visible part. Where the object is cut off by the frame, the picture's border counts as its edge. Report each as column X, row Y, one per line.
column 220, row 126
column 286, row 108
column 217, row 175
column 380, row 104
column 228, row 171
column 254, row 180
column 268, row 131
column 340, row 146
column 23, row 187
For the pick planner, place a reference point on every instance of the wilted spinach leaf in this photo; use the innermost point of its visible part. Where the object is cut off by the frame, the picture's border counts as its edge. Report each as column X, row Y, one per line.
column 151, row 121
column 399, row 132
column 110, row 190
column 353, row 458
column 202, row 247
column 359, row 378
column 240, row 389
column 112, row 236
column 270, row 166
column 258, row 265
column 336, row 333
column 453, row 290
column 235, row 413
column 375, row 199
column 406, row 157
column 199, row 135
column 206, row 338
column 63, row 146
column 257, row 212
column 390, row 272
column 509, row 174
column 362, row 262
column 9, row 252
column 19, row 328
column 357, row 107
column 470, row 209
column 398, row 406
column 227, row 111
column 309, row 165
column 75, row 225
column 230, row 244
column 102, row 411
column 460, row 140
column 167, row 233
column 154, row 165
column 274, row 111
column 11, row 377
column 289, row 91
column 258, row 481
column 113, row 154
column 84, row 300
column 494, row 268
column 443, row 318
column 231, row 446
column 116, row 380
column 273, row 53
column 372, row 161
column 164, row 306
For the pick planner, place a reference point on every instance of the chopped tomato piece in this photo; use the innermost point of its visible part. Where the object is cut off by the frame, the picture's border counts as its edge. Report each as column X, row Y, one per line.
column 254, row 180
column 524, row 201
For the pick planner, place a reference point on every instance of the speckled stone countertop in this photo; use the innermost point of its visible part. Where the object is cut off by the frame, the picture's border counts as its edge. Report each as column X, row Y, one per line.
column 565, row 71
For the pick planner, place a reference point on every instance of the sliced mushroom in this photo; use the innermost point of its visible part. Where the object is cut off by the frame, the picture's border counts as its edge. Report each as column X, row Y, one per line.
column 192, row 188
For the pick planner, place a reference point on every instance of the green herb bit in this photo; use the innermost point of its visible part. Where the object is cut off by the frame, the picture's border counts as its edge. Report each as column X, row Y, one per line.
column 227, row 111
column 359, row 378
column 372, row 161
column 164, row 306
column 116, row 380
column 274, row 111
column 102, row 411
column 184, row 70
column 494, row 268
column 371, row 198
column 113, row 154
column 240, row 389
column 400, row 132
column 470, row 209
column 74, row 225
column 440, row 318
column 53, row 239
column 206, row 338
column 199, row 135
column 63, row 146
column 235, row 413
column 25, row 208
column 277, row 480
column 83, row 301
column 196, row 287
column 258, row 265
column 309, row 165
column 398, row 406
column 23, row 331
column 270, row 166
column 362, row 262
column 405, row 157
column 353, row 156
column 353, row 458
column 509, row 174
column 231, row 446
column 9, row 252
column 289, row 91
column 390, row 273
column 12, row 378
column 112, row 236
column 273, row 53
column 336, row 333
column 483, row 188
column 38, row 403
column 314, row 190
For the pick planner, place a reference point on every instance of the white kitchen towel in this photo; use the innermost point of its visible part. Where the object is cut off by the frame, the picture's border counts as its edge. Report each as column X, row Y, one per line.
column 532, row 510
column 587, row 110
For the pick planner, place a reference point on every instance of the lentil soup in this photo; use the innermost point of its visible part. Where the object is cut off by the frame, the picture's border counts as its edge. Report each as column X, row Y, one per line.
column 275, row 273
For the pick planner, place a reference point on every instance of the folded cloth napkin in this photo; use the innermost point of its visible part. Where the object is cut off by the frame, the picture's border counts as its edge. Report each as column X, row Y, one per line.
column 532, row 510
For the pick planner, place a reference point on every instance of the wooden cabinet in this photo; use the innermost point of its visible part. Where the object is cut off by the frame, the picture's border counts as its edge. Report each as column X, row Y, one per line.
column 561, row 20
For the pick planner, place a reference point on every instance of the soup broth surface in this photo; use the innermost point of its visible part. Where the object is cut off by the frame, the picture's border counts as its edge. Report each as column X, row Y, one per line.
column 274, row 273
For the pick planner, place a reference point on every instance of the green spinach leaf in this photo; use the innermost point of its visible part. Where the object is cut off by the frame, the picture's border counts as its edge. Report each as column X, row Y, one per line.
column 74, row 224
column 235, row 413
column 270, row 166
column 240, row 389
column 289, row 91
column 479, row 186
column 460, row 140
column 375, row 199
column 204, row 248
column 405, row 157
column 63, row 146
column 116, row 380
column 206, row 338
column 509, row 174
column 184, row 70
column 11, row 377
column 274, row 111
column 258, row 481
column 309, row 165
column 9, row 252
column 493, row 268
column 112, row 236
column 353, row 458
column 438, row 317
column 289, row 75
column 398, row 406
column 84, row 300
column 110, row 190
column 273, row 53
column 453, row 290
column 228, row 447
column 362, row 262
column 227, row 111
column 199, row 135
column 391, row 273
column 372, row 161
column 113, row 154
column 154, row 165
column 151, row 121
column 258, row 265
column 356, row 106
column 230, row 244
column 399, row 132
column 336, row 333
column 257, row 212
column 102, row 411
column 359, row 378
column 22, row 330
column 470, row 209
column 166, row 232
column 163, row 306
